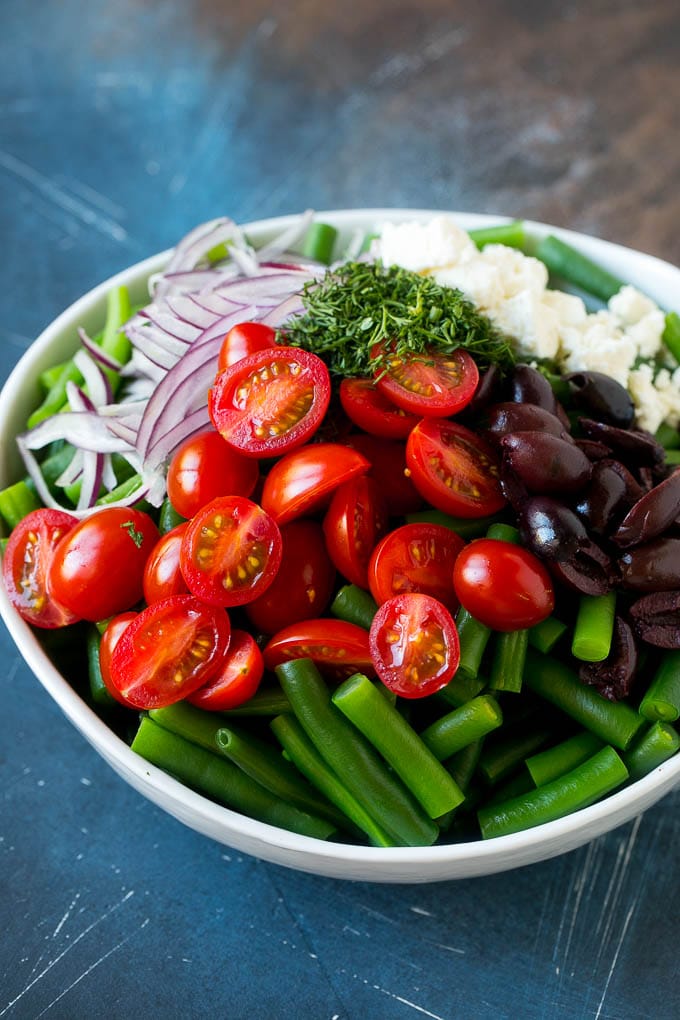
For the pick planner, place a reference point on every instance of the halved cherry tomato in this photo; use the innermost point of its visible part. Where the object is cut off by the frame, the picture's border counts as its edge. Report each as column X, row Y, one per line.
column 388, row 467
column 338, row 648
column 454, row 469
column 303, row 480
column 503, row 585
column 205, row 467
column 231, row 551
column 416, row 558
column 431, row 384
column 97, row 569
column 414, row 644
column 168, row 651
column 271, row 401
column 110, row 638
column 162, row 573
column 303, row 585
column 355, row 521
column 372, row 411
column 242, row 340
column 25, row 568
column 236, row 680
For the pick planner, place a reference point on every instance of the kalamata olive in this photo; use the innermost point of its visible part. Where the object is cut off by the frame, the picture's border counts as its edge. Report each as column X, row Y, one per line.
column 488, row 390
column 511, row 417
column 589, row 570
column 651, row 515
column 545, row 463
column 593, row 450
column 606, row 498
column 633, row 447
column 551, row 530
column 602, row 397
column 652, row 567
column 528, row 386
column 614, row 676
column 656, row 618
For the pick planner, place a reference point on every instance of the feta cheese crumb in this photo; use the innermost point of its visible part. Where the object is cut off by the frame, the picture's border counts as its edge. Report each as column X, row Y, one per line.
column 422, row 247
column 630, row 305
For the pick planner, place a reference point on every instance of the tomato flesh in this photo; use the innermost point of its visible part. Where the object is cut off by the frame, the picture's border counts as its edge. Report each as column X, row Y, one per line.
column 270, row 402
column 242, row 340
column 430, row 384
column 355, row 521
column 162, row 572
column 503, row 585
column 338, row 648
column 205, row 467
column 388, row 467
column 416, row 558
column 25, row 568
column 236, row 680
column 454, row 469
column 372, row 411
column 414, row 644
column 303, row 480
column 168, row 651
column 110, row 638
column 231, row 552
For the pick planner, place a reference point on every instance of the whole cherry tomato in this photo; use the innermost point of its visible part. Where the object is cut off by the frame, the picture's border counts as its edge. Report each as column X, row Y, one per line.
column 244, row 339
column 205, row 467
column 162, row 573
column 503, row 585
column 236, row 680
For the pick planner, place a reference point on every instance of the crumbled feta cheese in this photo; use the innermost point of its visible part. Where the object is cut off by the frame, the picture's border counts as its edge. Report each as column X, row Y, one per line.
column 648, row 409
column 479, row 282
column 630, row 305
column 598, row 347
column 532, row 323
column 518, row 272
column 422, row 247
column 570, row 309
column 647, row 333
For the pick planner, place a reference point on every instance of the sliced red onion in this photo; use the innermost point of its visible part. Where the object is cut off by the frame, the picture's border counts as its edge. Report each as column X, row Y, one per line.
column 98, row 385
column 97, row 354
column 83, row 429
column 284, row 311
column 91, row 480
column 287, row 238
column 170, row 324
column 72, row 471
column 201, row 240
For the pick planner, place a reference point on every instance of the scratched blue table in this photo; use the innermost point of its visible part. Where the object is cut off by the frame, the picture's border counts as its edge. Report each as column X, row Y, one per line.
column 125, row 124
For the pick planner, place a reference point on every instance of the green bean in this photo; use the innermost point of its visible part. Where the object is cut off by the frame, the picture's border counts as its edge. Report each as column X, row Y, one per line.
column 266, row 766
column 662, row 700
column 354, row 605
column 510, row 234
column 672, row 457
column 352, row 758
column 594, row 628
column 500, row 758
column 399, row 744
column 463, row 726
column 307, row 759
column 503, row 533
column 671, row 334
column 56, row 395
column 666, row 435
column 545, row 635
column 466, row 527
column 16, row 501
column 99, row 692
column 577, row 789
column 462, row 765
column 614, row 722
column 656, row 745
column 319, row 241
column 518, row 783
column 50, row 375
column 462, row 688
column 510, row 654
column 473, row 637
column 264, row 702
column 214, row 776
column 122, row 490
column 566, row 262
column 555, row 761
column 168, row 517
column 194, row 724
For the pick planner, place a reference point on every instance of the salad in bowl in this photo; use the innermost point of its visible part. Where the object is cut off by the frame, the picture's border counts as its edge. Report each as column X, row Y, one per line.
column 354, row 540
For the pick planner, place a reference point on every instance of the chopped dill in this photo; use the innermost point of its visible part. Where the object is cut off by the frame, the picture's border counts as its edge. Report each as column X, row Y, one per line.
column 361, row 304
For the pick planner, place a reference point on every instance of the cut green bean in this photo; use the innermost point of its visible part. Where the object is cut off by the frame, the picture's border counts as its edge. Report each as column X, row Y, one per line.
column 518, row 783
column 121, row 491
column 114, row 342
column 545, row 635
column 463, row 726
column 462, row 688
column 56, row 396
column 578, row 788
column 662, row 700
column 473, row 637
column 99, row 692
column 168, row 518
column 672, row 457
column 503, row 533
column 319, row 242
column 211, row 774
column 194, row 724
column 16, row 501
column 264, row 702
column 467, row 528
column 659, row 743
column 50, row 375
column 510, row 654
column 501, row 758
column 668, row 436
column 352, row 758
column 555, row 761
column 354, row 605
column 510, row 234
column 566, row 262
column 302, row 752
column 594, row 627
column 399, row 744
column 265, row 765
column 671, row 334
column 462, row 765
column 613, row 722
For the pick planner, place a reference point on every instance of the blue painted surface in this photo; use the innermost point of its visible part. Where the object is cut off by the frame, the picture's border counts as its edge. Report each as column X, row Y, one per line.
column 122, row 126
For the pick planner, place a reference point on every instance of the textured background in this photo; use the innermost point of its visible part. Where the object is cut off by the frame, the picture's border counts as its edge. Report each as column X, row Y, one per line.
column 123, row 125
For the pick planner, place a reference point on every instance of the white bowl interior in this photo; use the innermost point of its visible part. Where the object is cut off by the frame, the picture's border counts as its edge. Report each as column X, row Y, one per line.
column 420, row 864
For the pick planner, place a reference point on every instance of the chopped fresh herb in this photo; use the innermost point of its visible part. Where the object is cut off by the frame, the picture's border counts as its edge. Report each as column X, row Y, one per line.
column 136, row 536
column 360, row 305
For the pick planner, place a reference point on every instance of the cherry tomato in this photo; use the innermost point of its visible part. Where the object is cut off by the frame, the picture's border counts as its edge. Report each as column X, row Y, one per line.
column 414, row 644
column 503, row 585
column 110, row 638
column 98, row 567
column 454, row 469
column 236, row 680
column 205, row 467
column 303, row 480
column 168, row 651
column 162, row 573
column 432, row 384
column 372, row 411
column 337, row 647
column 355, row 521
column 416, row 558
column 303, row 585
column 231, row 551
column 271, row 401
column 25, row 568
column 242, row 340
column 388, row 467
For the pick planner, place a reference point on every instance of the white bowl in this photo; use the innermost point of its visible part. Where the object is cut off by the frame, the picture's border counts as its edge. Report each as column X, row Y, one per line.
column 421, row 864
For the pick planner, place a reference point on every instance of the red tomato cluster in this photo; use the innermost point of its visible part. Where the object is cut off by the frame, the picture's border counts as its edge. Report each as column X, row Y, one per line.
column 269, row 562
